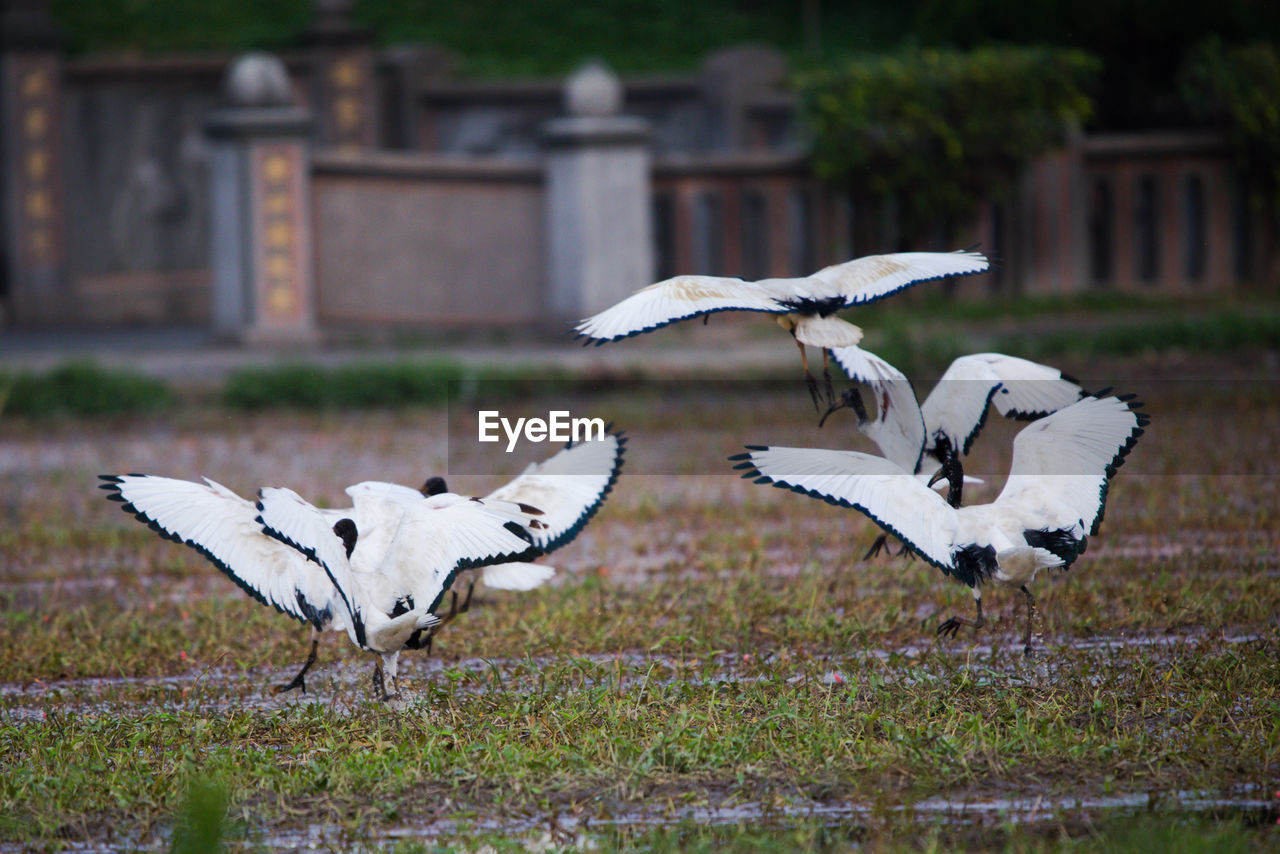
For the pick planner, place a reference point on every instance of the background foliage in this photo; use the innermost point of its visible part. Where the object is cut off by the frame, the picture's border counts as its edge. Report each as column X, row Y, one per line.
column 1142, row 43
column 1239, row 88
column 938, row 131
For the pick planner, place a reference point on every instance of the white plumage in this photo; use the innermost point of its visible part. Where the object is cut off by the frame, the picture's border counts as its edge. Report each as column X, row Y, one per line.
column 223, row 527
column 389, row 592
column 917, row 435
column 569, row 486
column 806, row 305
column 1052, row 501
column 956, row 409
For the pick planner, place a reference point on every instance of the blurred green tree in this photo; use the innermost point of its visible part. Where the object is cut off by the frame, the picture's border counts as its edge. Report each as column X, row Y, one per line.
column 1239, row 88
column 935, row 132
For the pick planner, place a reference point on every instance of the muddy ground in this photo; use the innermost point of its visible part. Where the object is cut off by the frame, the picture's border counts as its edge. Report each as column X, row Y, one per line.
column 697, row 611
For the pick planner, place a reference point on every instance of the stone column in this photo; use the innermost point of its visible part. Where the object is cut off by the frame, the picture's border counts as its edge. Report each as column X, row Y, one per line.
column 33, row 277
column 344, row 92
column 598, row 191
column 260, row 228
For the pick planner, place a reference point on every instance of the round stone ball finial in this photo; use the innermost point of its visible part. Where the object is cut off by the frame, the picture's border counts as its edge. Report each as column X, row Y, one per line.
column 593, row 90
column 258, row 79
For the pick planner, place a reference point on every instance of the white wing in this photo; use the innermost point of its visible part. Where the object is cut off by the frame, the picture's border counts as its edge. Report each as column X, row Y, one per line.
column 894, row 499
column 957, row 406
column 291, row 519
column 391, row 492
column 437, row 538
column 1029, row 390
column 1061, row 463
column 221, row 525
column 873, row 277
column 898, row 428
column 517, row 576
column 376, row 509
column 569, row 487
column 673, row 300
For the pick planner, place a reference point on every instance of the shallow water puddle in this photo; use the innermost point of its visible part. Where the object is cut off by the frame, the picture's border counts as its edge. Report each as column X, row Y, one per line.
column 344, row 685
column 558, row 831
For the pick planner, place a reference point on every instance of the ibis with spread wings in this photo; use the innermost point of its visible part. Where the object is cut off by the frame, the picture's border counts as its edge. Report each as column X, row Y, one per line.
column 1051, row 503
column 918, row 437
column 806, row 307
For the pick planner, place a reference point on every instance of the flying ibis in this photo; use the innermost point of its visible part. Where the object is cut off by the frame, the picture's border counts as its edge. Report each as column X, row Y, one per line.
column 806, row 306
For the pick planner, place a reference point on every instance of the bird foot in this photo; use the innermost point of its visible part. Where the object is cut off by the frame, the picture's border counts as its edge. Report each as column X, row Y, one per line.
column 876, row 547
column 814, row 393
column 950, row 627
column 298, row 682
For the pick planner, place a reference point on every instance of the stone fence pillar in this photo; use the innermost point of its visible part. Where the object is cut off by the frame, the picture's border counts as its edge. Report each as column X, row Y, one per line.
column 344, row 93
column 33, row 279
column 260, row 228
column 598, row 218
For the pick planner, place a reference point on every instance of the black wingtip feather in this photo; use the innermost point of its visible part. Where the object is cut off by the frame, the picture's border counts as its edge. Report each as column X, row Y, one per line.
column 572, row 532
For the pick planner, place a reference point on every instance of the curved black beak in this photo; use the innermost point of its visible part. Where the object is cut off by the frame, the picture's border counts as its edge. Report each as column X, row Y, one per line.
column 851, row 398
column 838, row 404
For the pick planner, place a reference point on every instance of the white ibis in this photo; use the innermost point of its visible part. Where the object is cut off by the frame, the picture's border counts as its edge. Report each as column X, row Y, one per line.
column 1051, row 503
column 389, row 589
column 222, row 526
column 806, row 306
column 917, row 436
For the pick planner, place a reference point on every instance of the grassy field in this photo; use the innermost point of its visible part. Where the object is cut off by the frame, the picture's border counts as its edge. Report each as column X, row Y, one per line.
column 716, row 668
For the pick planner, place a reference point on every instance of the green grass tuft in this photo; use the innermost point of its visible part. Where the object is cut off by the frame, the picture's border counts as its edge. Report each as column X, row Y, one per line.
column 201, row 820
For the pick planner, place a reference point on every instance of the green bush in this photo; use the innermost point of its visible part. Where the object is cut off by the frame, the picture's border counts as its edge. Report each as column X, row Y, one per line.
column 81, row 388
column 935, row 131
column 165, row 26
column 351, row 386
column 1238, row 87
column 1221, row 332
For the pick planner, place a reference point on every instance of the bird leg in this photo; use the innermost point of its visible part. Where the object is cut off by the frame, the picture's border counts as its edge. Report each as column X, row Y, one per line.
column 299, row 681
column 808, row 377
column 384, row 674
column 466, row 602
column 951, row 626
column 826, row 376
column 1031, row 613
column 391, row 666
column 454, row 610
